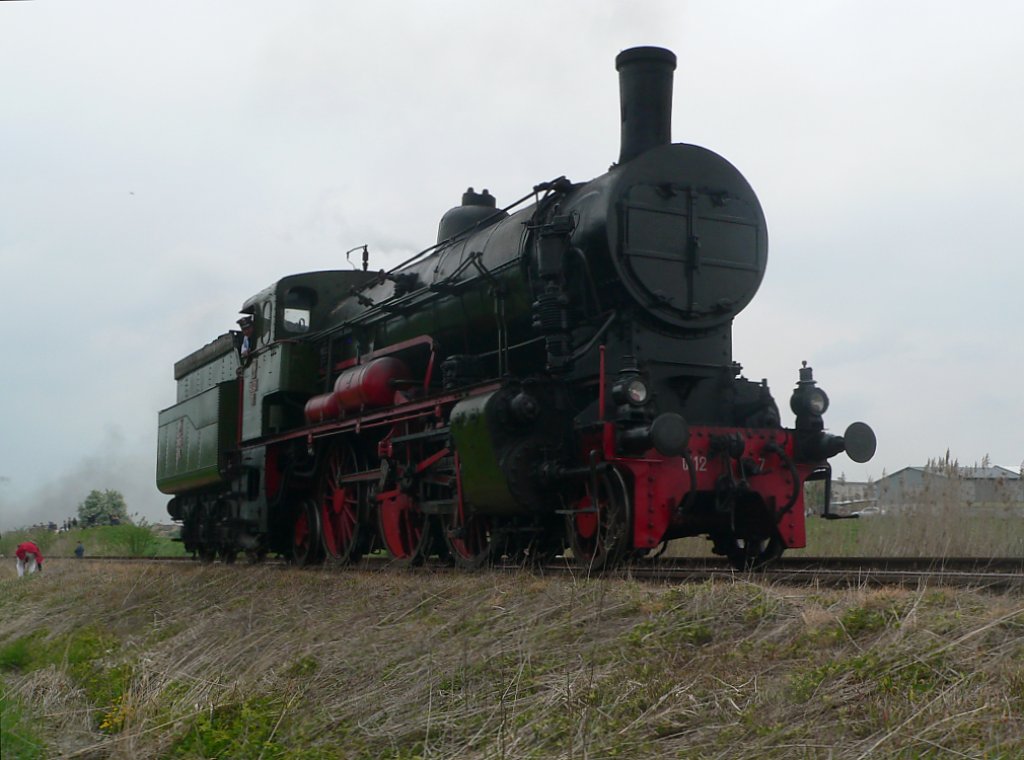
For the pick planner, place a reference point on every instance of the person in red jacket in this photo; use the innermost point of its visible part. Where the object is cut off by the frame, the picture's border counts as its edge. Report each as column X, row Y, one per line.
column 28, row 557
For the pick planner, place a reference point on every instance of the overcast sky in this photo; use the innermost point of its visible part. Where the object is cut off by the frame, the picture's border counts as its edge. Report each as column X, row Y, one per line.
column 162, row 161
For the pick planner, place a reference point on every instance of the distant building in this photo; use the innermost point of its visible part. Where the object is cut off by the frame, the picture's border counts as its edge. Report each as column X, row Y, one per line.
column 937, row 486
column 996, row 484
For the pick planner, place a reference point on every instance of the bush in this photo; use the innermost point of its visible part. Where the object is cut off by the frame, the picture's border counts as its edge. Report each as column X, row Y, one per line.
column 134, row 540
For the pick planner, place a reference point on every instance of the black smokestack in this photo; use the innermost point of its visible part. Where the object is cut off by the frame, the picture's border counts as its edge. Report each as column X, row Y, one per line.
column 645, row 95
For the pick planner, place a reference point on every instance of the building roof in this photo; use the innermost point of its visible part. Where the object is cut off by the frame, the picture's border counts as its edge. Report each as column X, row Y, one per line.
column 990, row 473
column 966, row 473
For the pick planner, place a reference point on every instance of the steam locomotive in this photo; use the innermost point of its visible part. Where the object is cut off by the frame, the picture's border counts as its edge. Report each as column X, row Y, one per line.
column 552, row 378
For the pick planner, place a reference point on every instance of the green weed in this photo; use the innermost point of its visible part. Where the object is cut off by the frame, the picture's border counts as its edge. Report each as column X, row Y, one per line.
column 861, row 620
column 906, row 680
column 80, row 653
column 304, row 667
column 18, row 654
column 670, row 630
column 255, row 727
column 805, row 684
column 19, row 735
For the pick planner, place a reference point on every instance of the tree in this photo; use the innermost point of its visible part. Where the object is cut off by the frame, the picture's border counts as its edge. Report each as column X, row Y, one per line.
column 106, row 508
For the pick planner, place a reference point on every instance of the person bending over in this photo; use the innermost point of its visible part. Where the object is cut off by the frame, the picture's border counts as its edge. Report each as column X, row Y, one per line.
column 28, row 558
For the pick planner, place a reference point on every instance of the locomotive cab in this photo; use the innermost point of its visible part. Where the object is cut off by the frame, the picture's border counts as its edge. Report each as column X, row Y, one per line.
column 282, row 371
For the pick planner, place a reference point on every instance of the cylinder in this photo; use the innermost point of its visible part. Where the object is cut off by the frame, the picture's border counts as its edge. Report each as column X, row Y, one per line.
column 645, row 98
column 371, row 384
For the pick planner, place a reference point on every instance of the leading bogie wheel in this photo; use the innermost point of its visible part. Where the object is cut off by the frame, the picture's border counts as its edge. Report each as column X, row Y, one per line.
column 599, row 523
column 753, row 552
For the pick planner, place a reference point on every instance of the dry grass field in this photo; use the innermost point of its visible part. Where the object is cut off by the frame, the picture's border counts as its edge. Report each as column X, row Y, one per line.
column 945, row 529
column 186, row 661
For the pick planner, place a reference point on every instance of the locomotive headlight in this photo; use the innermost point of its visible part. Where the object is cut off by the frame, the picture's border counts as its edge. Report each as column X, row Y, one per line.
column 809, row 401
column 817, row 401
column 631, row 390
column 637, row 392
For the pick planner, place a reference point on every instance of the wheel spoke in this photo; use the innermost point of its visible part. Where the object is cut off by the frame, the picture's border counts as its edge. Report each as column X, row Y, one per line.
column 469, row 539
column 307, row 547
column 404, row 529
column 467, row 535
column 342, row 505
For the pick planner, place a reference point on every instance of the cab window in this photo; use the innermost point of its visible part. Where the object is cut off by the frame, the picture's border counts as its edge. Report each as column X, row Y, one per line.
column 298, row 307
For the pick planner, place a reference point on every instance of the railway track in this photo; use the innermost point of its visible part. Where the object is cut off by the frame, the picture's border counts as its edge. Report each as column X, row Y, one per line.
column 967, row 572
column 963, row 572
